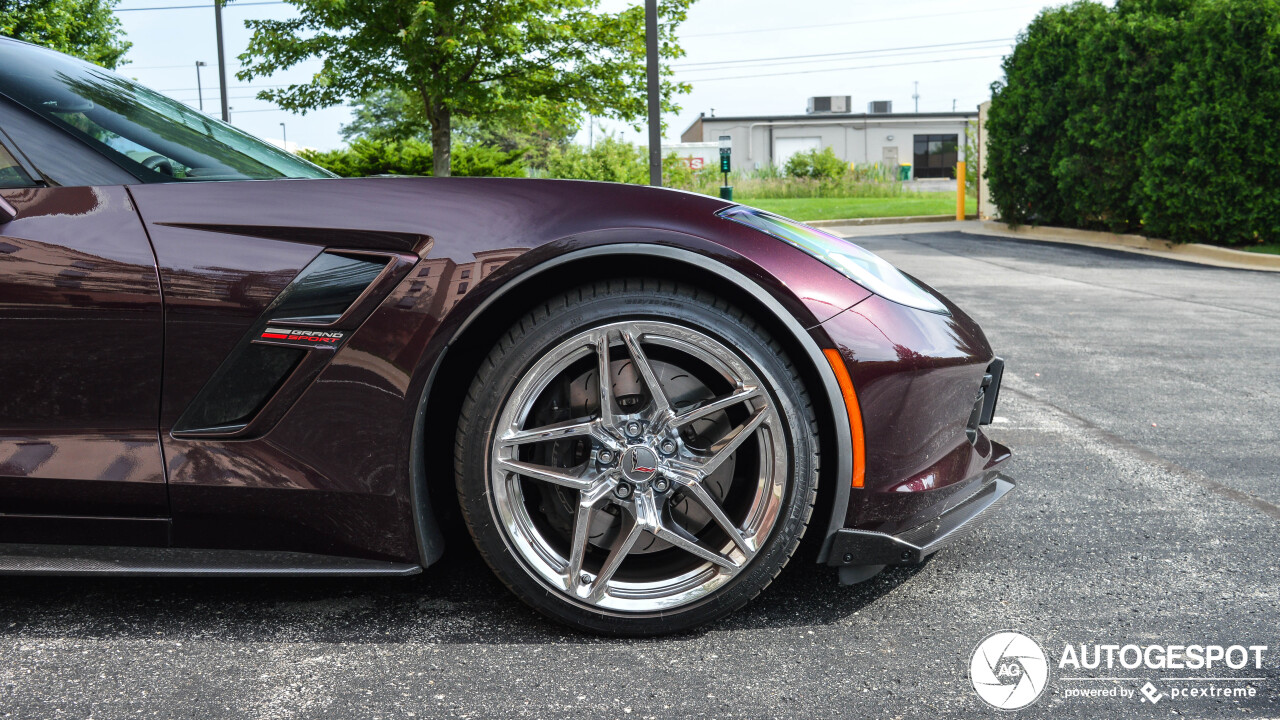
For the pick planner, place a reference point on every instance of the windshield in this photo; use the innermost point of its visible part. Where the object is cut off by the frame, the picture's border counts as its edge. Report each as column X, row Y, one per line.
column 155, row 138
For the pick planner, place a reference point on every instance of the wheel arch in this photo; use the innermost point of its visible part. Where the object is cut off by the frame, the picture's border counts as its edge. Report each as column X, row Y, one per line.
column 475, row 334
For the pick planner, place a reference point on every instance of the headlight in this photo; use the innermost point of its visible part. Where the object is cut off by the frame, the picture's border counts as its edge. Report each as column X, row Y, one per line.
column 859, row 265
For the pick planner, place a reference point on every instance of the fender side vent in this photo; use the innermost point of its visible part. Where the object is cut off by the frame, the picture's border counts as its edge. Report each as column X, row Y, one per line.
column 291, row 342
column 325, row 288
column 240, row 388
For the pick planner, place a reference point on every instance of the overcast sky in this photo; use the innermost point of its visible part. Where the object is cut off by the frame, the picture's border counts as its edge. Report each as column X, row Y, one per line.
column 869, row 50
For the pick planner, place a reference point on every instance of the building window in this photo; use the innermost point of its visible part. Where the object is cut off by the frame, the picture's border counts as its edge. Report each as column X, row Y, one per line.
column 466, row 274
column 462, row 287
column 936, row 156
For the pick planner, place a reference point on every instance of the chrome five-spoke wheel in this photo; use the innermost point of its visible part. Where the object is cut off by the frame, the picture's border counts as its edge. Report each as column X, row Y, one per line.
column 639, row 465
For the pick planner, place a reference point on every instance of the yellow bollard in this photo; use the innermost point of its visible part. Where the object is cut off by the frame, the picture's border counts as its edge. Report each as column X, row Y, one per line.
column 960, row 190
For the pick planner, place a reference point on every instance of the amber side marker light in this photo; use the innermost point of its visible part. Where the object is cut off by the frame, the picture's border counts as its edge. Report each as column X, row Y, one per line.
column 855, row 416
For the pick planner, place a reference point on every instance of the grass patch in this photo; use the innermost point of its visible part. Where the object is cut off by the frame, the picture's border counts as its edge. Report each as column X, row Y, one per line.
column 1270, row 249
column 860, row 207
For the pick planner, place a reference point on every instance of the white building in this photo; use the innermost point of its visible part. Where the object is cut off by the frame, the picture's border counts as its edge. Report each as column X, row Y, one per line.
column 930, row 142
column 697, row 155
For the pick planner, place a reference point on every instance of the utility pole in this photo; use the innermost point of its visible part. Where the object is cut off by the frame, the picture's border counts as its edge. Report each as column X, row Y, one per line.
column 916, row 96
column 284, row 137
column 199, row 88
column 655, row 102
column 222, row 61
column 953, row 104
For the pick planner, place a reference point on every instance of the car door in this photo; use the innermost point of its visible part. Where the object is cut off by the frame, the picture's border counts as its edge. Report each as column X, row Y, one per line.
column 81, row 327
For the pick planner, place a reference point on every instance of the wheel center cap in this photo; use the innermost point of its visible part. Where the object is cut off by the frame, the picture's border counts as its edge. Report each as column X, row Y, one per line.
column 639, row 463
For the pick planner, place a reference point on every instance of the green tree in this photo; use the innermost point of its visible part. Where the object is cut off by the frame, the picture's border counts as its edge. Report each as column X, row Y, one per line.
column 386, row 114
column 391, row 114
column 524, row 61
column 84, row 28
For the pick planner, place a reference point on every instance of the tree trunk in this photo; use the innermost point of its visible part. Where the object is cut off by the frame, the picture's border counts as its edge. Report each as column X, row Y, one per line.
column 441, row 138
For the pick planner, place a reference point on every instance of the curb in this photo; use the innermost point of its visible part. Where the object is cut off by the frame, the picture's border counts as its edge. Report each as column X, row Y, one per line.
column 1186, row 252
column 884, row 220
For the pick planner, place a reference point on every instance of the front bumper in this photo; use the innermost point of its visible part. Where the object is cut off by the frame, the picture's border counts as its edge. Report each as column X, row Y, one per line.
column 864, row 547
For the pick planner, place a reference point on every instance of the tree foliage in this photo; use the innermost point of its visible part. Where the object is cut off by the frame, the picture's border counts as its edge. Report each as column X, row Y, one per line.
column 384, row 115
column 84, row 28
column 1154, row 116
column 529, row 62
column 391, row 114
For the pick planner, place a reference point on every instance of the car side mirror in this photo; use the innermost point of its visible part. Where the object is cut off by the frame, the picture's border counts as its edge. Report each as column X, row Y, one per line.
column 7, row 211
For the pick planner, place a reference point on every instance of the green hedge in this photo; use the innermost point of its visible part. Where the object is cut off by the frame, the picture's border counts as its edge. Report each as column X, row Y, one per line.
column 823, row 164
column 1156, row 116
column 365, row 157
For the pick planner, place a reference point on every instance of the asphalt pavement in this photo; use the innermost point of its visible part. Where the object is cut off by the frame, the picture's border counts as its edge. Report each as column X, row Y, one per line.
column 1142, row 401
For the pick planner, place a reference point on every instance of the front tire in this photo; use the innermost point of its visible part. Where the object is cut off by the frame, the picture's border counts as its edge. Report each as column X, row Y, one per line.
column 663, row 499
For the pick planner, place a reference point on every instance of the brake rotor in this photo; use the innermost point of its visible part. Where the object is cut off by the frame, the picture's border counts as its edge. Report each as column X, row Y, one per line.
column 683, row 390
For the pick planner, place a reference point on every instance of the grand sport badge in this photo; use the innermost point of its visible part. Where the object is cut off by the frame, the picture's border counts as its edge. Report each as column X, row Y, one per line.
column 301, row 338
column 1009, row 670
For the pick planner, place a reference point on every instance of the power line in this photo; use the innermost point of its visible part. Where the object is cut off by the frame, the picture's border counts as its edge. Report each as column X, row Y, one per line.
column 841, row 69
column 809, row 63
column 854, row 22
column 235, row 87
column 197, row 7
column 331, row 107
column 185, row 66
column 887, row 55
column 125, row 69
column 229, row 97
column 849, row 52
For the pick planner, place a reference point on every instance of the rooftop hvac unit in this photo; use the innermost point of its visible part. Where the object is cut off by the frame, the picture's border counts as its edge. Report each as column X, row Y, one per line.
column 880, row 107
column 829, row 104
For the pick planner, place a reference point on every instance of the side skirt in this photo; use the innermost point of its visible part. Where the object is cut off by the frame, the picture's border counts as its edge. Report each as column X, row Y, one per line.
column 187, row 562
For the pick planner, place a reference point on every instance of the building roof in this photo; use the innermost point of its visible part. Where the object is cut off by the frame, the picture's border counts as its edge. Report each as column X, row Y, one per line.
column 833, row 117
column 839, row 116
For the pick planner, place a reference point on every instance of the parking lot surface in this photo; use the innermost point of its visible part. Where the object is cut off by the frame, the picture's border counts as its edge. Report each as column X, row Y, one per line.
column 1142, row 401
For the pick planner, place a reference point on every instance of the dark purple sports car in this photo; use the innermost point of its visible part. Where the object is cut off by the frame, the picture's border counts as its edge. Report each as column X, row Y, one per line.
column 220, row 360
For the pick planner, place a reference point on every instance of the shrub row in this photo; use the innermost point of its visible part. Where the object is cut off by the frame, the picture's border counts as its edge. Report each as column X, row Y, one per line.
column 412, row 156
column 1155, row 116
column 816, row 174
